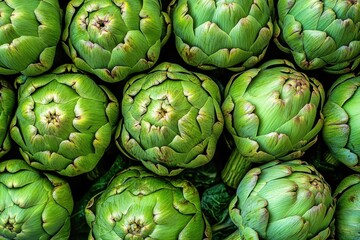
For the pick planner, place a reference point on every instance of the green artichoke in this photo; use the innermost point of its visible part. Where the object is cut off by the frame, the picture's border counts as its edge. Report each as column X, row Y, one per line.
column 341, row 131
column 271, row 112
column 33, row 205
column 7, row 108
column 232, row 34
column 138, row 204
column 171, row 119
column 320, row 34
column 29, row 33
column 113, row 39
column 347, row 214
column 283, row 200
column 64, row 121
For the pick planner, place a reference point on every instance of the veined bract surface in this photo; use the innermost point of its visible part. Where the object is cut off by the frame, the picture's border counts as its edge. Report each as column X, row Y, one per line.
column 64, row 121
column 138, row 204
column 113, row 39
column 171, row 119
column 232, row 34
column 29, row 33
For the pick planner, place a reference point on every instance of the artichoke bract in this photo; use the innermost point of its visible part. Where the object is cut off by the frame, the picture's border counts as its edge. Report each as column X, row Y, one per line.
column 341, row 131
column 347, row 214
column 7, row 108
column 320, row 34
column 171, row 119
column 113, row 39
column 137, row 204
column 29, row 33
column 271, row 112
column 34, row 205
column 231, row 34
column 64, row 121
column 283, row 200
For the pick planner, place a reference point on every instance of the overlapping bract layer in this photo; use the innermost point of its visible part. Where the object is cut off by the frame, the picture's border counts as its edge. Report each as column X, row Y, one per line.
column 222, row 34
column 29, row 33
column 320, row 34
column 138, row 204
column 273, row 112
column 171, row 119
column 341, row 131
column 113, row 39
column 33, row 205
column 7, row 108
column 289, row 200
column 64, row 121
column 347, row 214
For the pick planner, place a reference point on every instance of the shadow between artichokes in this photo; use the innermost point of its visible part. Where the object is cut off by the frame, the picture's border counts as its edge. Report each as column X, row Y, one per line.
column 113, row 39
column 138, row 204
column 64, row 121
column 171, row 119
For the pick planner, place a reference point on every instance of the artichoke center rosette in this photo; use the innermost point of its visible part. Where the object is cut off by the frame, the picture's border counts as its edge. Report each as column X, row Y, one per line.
column 172, row 119
column 232, row 34
column 341, row 131
column 347, row 214
column 320, row 34
column 64, row 121
column 29, row 33
column 7, row 109
column 113, row 39
column 138, row 204
column 34, row 204
column 271, row 112
column 283, row 200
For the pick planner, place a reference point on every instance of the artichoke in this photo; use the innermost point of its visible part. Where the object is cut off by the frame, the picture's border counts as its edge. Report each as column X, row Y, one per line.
column 64, row 121
column 347, row 214
column 320, row 34
column 113, row 39
column 33, row 205
column 138, row 204
column 29, row 33
column 283, row 200
column 341, row 131
column 7, row 108
column 171, row 119
column 271, row 112
column 232, row 34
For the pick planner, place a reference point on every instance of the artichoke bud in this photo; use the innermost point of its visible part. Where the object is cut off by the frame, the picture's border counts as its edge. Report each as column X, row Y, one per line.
column 341, row 113
column 283, row 200
column 320, row 34
column 113, row 39
column 64, row 121
column 138, row 204
column 347, row 208
column 29, row 33
column 7, row 109
column 265, row 108
column 29, row 201
column 225, row 34
column 171, row 119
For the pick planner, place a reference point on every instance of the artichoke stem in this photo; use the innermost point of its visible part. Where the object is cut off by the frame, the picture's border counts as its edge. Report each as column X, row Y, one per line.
column 235, row 169
column 330, row 159
column 234, row 236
